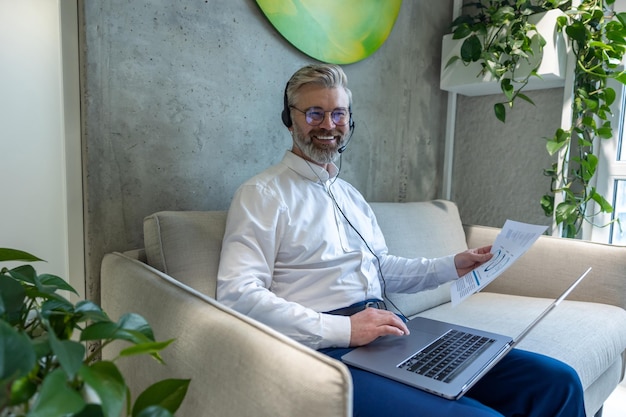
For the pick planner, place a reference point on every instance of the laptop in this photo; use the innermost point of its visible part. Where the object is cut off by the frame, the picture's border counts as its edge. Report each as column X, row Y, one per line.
column 441, row 358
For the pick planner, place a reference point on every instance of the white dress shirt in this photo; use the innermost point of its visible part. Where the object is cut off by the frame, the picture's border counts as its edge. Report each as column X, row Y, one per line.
column 300, row 241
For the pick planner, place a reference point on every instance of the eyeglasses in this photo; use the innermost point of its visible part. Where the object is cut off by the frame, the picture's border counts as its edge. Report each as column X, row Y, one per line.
column 314, row 116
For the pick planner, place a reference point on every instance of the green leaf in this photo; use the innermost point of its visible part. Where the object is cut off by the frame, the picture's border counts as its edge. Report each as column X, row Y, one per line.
column 547, row 204
column 507, row 88
column 69, row 353
column 151, row 348
column 41, row 345
column 107, row 381
column 112, row 331
column 605, row 132
column 471, row 49
column 462, row 31
column 589, row 122
column 12, row 296
column 569, row 230
column 500, row 112
column 131, row 327
column 7, row 254
column 621, row 77
column 566, row 212
column 168, row 394
column 588, row 166
column 554, row 146
column 577, row 31
column 609, row 96
column 56, row 398
column 452, row 60
column 60, row 317
column 135, row 322
column 22, row 390
column 599, row 45
column 561, row 22
column 90, row 410
column 24, row 273
column 525, row 98
column 88, row 310
column 591, row 104
column 56, row 305
column 605, row 206
column 52, row 282
column 155, row 411
column 503, row 14
column 99, row 331
column 17, row 356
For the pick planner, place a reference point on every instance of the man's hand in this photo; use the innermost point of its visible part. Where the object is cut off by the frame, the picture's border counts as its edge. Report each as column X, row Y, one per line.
column 471, row 259
column 371, row 323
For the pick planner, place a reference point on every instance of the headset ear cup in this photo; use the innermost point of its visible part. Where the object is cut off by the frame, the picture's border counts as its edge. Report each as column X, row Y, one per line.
column 286, row 114
column 286, row 117
column 351, row 121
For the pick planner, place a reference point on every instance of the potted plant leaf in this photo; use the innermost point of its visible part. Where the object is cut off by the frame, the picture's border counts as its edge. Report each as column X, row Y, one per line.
column 46, row 368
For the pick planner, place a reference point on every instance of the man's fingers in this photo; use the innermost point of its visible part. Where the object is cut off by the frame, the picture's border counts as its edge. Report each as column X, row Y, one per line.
column 371, row 323
column 390, row 319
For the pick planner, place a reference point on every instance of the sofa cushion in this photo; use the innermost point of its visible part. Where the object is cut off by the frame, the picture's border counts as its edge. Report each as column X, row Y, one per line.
column 569, row 333
column 186, row 245
column 428, row 229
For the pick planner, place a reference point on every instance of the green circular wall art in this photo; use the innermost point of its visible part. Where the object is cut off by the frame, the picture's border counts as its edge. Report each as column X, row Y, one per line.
column 333, row 31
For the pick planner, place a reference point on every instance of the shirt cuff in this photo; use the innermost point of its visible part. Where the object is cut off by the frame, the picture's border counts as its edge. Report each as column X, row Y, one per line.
column 336, row 331
column 446, row 269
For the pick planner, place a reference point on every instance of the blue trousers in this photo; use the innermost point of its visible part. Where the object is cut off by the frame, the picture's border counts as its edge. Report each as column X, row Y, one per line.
column 521, row 384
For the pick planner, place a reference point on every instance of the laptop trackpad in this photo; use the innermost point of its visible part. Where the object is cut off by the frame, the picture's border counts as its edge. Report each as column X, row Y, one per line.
column 423, row 332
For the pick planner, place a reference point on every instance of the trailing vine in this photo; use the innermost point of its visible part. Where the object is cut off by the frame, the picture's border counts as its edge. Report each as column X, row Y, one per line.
column 598, row 39
column 500, row 35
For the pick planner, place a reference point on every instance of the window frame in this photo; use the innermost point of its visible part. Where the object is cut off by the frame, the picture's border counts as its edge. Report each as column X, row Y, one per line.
column 610, row 170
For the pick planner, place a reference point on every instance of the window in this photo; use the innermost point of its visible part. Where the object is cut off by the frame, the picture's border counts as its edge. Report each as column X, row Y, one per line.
column 618, row 234
column 611, row 181
column 611, row 175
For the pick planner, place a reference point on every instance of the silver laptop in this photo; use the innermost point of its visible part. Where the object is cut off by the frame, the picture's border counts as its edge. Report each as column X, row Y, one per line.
column 441, row 358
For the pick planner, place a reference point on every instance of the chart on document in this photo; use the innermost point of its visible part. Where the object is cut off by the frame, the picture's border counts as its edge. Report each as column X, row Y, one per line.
column 513, row 241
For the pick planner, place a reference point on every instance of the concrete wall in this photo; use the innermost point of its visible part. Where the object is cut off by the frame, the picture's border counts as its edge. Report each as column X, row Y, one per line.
column 182, row 102
column 498, row 168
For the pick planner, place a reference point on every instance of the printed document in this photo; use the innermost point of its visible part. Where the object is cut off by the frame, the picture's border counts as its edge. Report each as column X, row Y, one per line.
column 512, row 242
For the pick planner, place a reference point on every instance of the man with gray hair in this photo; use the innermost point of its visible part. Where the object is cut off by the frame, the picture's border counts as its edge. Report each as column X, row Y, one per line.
column 303, row 253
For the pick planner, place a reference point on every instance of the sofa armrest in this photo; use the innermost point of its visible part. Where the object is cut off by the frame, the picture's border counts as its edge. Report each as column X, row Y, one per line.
column 552, row 263
column 238, row 366
column 138, row 254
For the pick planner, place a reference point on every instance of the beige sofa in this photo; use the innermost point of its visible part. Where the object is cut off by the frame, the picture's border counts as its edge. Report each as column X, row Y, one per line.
column 240, row 367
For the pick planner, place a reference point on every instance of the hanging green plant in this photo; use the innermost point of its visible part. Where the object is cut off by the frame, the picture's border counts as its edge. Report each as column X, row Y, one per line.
column 598, row 39
column 500, row 35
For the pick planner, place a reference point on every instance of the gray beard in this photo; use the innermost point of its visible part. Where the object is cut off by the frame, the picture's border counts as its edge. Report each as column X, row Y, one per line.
column 319, row 155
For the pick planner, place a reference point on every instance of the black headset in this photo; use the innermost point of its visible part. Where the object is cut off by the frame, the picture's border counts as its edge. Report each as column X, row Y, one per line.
column 286, row 114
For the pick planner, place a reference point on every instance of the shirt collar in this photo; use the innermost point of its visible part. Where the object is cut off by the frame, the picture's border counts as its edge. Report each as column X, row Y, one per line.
column 309, row 170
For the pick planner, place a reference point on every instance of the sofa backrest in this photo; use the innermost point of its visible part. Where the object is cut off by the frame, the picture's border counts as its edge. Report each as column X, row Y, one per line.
column 186, row 244
column 427, row 229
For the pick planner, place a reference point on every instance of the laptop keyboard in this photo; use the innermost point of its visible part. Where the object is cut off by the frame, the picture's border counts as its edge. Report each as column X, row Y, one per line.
column 448, row 355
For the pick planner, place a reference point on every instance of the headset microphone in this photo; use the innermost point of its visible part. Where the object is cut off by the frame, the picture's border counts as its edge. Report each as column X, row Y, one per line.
column 345, row 145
